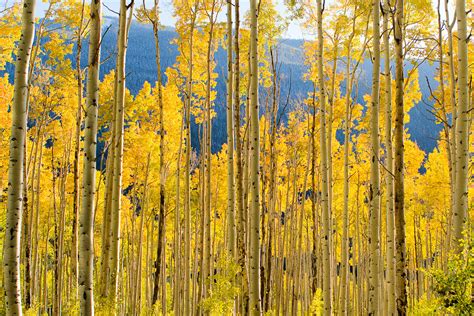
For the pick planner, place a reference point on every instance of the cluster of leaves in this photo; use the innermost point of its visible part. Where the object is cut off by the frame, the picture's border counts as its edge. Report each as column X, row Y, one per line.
column 317, row 303
column 454, row 286
column 224, row 291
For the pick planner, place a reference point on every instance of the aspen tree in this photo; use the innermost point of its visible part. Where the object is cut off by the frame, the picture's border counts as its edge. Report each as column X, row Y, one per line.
column 314, row 212
column 399, row 189
column 254, row 210
column 454, row 114
column 86, row 218
column 11, row 246
column 390, row 230
column 442, row 102
column 344, row 295
column 36, row 276
column 298, row 280
column 154, row 19
column 201, row 250
column 230, row 138
column 442, row 105
column 77, row 148
column 107, row 217
column 329, row 133
column 118, row 150
column 462, row 130
column 272, row 187
column 29, row 278
column 207, row 152
column 374, row 189
column 177, row 299
column 136, row 305
column 187, row 185
column 61, row 228
column 28, row 224
column 327, row 244
column 241, row 223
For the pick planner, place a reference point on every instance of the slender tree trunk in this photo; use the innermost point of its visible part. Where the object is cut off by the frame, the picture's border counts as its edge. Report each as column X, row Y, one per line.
column 11, row 252
column 106, row 223
column 86, row 218
column 442, row 105
column 35, row 286
column 118, row 152
column 187, row 185
column 29, row 217
column 77, row 150
column 230, row 139
column 177, row 248
column 32, row 60
column 207, row 155
column 314, row 196
column 202, row 208
column 344, row 295
column 137, row 291
column 399, row 190
column 60, row 236
column 329, row 136
column 454, row 114
column 241, row 223
column 254, row 210
column 462, row 131
column 272, row 188
column 327, row 283
column 298, row 291
column 161, row 215
column 390, row 231
column 374, row 189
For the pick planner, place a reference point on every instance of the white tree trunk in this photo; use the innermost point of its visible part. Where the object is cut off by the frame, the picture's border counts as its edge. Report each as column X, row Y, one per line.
column 230, row 139
column 462, row 131
column 390, row 231
column 399, row 204
column 86, row 217
column 254, row 210
column 374, row 188
column 11, row 247
column 118, row 151
column 327, row 283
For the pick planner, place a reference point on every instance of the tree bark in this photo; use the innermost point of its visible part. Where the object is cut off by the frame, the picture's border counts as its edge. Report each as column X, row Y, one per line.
column 399, row 190
column 390, row 231
column 230, row 139
column 344, row 294
column 462, row 131
column 327, row 283
column 187, row 185
column 454, row 114
column 254, row 210
column 374, row 188
column 77, row 150
column 241, row 223
column 86, row 218
column 11, row 247
column 118, row 151
column 161, row 214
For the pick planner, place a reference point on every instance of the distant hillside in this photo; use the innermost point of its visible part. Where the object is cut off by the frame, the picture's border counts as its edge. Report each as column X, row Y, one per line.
column 141, row 68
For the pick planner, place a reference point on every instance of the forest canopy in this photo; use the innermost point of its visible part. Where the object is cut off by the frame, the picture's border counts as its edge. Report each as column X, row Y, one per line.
column 223, row 170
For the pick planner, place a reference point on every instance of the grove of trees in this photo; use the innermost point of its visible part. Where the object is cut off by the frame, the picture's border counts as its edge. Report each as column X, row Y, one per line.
column 318, row 205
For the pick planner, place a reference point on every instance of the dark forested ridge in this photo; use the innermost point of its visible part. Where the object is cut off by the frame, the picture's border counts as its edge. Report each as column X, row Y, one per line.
column 140, row 68
column 422, row 126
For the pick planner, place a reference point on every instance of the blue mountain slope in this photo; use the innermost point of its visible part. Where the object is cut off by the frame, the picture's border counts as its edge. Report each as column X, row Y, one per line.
column 141, row 67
